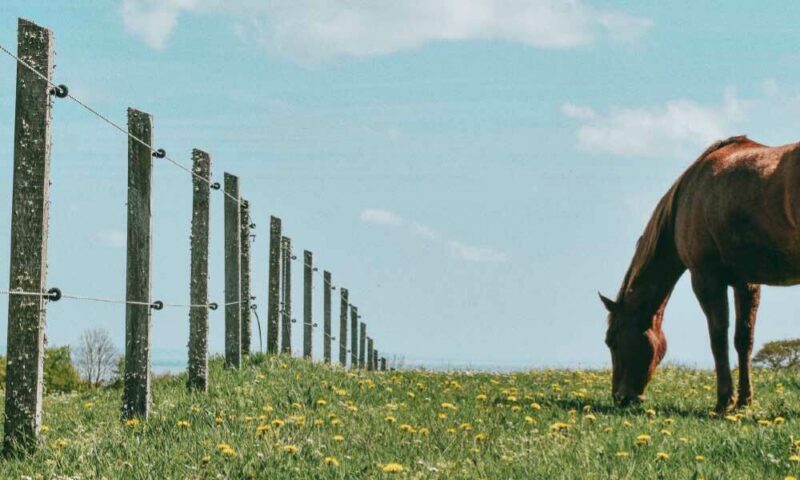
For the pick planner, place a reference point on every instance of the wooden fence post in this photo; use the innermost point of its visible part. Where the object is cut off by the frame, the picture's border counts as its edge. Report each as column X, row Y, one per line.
column 326, row 317
column 370, row 351
column 198, row 285
column 286, row 315
column 29, row 222
column 383, row 364
column 245, row 312
column 308, row 325
column 353, row 336
column 362, row 344
column 233, row 332
column 375, row 359
column 343, row 327
column 136, row 393
column 273, row 314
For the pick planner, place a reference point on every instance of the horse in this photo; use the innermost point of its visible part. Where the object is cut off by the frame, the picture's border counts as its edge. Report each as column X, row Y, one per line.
column 732, row 219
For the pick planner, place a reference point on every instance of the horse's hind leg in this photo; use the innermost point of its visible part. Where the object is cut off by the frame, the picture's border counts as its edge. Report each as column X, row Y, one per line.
column 713, row 297
column 746, row 298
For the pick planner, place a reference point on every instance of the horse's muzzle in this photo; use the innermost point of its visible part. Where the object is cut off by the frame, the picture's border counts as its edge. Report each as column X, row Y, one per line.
column 626, row 400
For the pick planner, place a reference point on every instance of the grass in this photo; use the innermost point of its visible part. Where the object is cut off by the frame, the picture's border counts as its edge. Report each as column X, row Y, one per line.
column 284, row 418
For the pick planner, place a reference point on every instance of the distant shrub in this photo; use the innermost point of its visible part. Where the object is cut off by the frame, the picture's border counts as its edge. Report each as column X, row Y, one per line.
column 779, row 354
column 60, row 374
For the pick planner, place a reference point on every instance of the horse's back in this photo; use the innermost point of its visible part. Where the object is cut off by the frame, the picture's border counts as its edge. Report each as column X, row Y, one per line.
column 738, row 211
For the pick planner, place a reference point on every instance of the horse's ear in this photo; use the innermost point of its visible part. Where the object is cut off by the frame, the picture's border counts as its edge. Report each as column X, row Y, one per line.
column 610, row 305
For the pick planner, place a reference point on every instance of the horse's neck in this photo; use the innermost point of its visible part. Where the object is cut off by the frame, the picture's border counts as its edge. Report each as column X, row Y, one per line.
column 650, row 287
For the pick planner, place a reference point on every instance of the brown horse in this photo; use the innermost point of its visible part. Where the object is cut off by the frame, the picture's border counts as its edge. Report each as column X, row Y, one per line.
column 733, row 220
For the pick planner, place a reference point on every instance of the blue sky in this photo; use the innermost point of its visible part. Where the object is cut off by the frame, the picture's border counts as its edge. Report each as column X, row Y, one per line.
column 473, row 171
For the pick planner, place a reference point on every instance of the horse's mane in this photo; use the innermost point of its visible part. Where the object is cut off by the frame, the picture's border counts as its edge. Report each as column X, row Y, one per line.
column 661, row 223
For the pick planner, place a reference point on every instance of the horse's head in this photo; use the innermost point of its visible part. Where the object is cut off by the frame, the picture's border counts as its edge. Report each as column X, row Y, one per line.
column 637, row 347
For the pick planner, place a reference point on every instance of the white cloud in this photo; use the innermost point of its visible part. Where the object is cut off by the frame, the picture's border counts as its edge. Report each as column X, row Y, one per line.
column 154, row 20
column 111, row 238
column 477, row 254
column 470, row 253
column 379, row 216
column 673, row 129
column 310, row 31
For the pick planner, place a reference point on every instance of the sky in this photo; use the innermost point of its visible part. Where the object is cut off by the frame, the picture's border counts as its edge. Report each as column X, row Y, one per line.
column 473, row 171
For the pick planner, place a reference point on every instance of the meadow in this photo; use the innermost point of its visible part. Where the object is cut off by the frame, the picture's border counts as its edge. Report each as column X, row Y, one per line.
column 286, row 418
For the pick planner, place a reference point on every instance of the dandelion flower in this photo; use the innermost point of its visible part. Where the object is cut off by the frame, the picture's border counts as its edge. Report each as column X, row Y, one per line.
column 662, row 455
column 322, row 402
column 206, row 459
column 794, row 458
column 589, row 417
column 390, row 419
column 132, row 422
column 393, row 468
column 291, row 449
column 408, row 428
column 643, row 439
column 623, row 453
column 60, row 443
column 480, row 437
column 699, row 458
column 338, row 438
column 481, row 397
column 183, row 424
column 448, row 406
column 778, row 420
column 277, row 423
column 536, row 406
column 332, row 461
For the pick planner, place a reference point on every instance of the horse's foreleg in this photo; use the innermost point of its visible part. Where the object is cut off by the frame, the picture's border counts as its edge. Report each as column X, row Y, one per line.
column 747, row 298
column 713, row 298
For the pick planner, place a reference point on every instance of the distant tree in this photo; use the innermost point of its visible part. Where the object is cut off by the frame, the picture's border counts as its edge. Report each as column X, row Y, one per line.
column 779, row 354
column 96, row 357
column 59, row 372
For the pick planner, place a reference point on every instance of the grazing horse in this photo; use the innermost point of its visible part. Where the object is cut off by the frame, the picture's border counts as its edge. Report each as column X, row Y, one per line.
column 733, row 220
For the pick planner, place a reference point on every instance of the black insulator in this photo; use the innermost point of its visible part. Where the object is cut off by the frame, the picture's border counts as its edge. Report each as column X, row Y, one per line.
column 54, row 294
column 157, row 305
column 60, row 91
column 160, row 153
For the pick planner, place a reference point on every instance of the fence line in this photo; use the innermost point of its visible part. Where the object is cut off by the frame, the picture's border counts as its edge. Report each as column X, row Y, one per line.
column 23, row 414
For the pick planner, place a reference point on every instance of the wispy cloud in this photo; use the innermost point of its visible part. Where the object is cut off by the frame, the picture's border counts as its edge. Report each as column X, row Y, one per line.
column 111, row 238
column 470, row 253
column 379, row 216
column 674, row 128
column 309, row 31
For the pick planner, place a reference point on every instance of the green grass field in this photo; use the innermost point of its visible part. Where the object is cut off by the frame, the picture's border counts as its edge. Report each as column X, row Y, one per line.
column 284, row 418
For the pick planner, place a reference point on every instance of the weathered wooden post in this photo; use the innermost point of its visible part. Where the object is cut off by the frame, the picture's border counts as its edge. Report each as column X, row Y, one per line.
column 245, row 312
column 370, row 352
column 233, row 259
column 353, row 336
column 286, row 315
column 308, row 271
column 198, row 285
column 136, row 392
column 375, row 359
column 362, row 344
column 326, row 317
column 28, row 263
column 274, row 313
column 343, row 327
column 383, row 364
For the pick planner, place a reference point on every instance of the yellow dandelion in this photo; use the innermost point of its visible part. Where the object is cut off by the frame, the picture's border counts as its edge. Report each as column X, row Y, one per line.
column 516, row 408
column 536, row 406
column 794, row 458
column 393, row 468
column 183, row 424
column 481, row 397
column 291, row 449
column 278, row 423
column 683, row 440
column 650, row 412
column 44, row 428
column 88, row 405
column 408, row 428
column 699, row 458
column 205, row 459
column 263, row 428
column 390, row 419
column 60, row 443
column 608, row 430
column 480, row 437
column 449, row 406
column 194, row 409
column 132, row 422
column 623, row 453
column 219, row 420
column 441, row 416
column 764, row 422
column 662, row 455
column 336, row 421
column 338, row 438
column 559, row 426
column 666, row 432
column 778, row 420
column 465, row 427
column 530, row 419
column 643, row 439
column 322, row 402
column 424, row 431
column 332, row 461
column 589, row 417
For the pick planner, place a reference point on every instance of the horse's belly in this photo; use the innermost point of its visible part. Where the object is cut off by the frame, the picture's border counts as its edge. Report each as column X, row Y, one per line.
column 765, row 265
